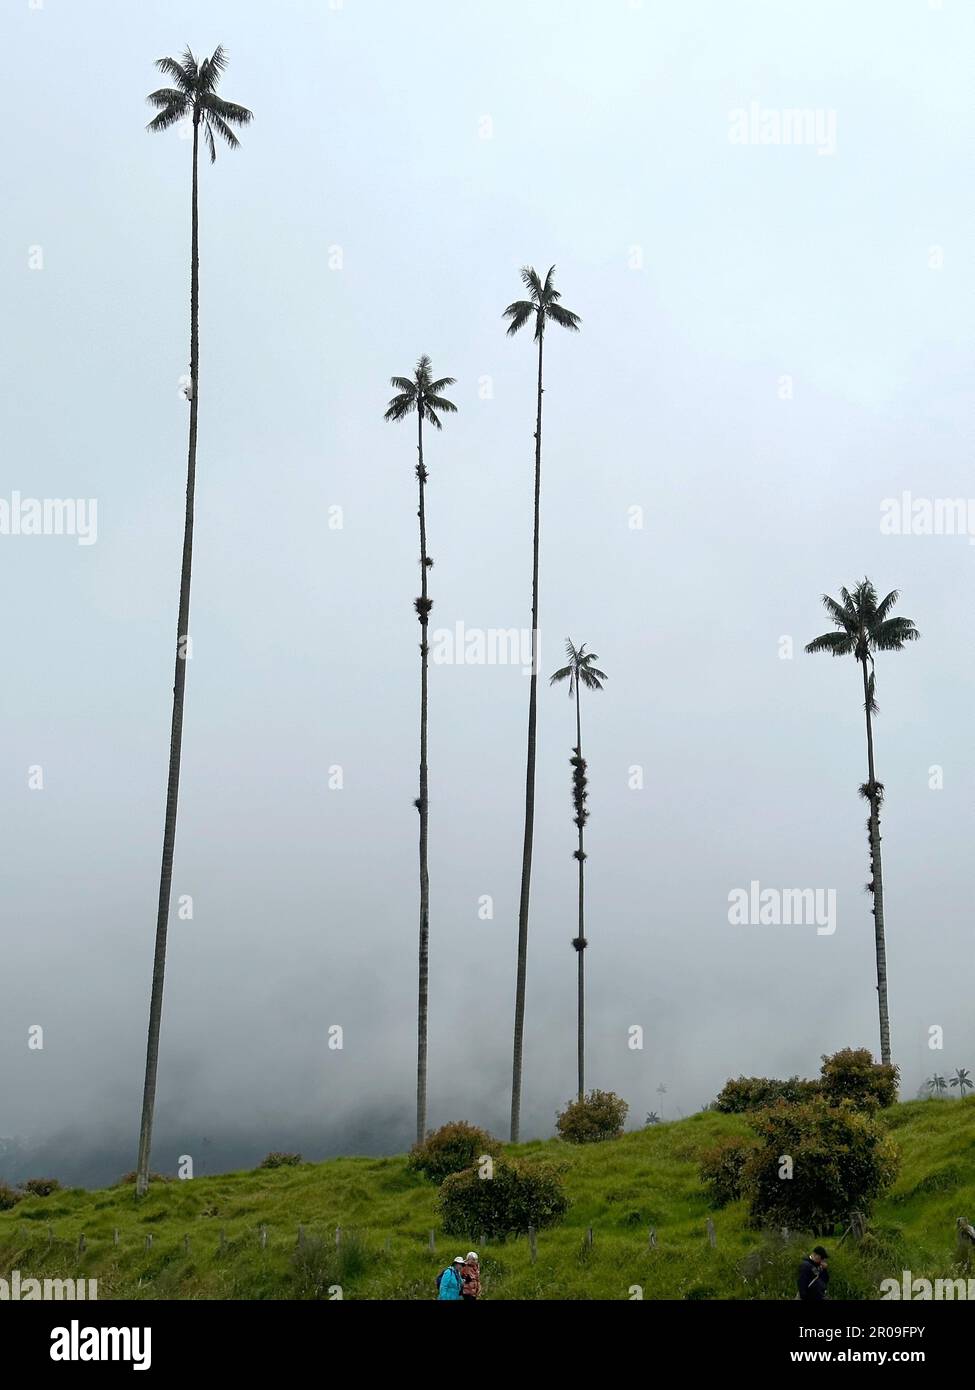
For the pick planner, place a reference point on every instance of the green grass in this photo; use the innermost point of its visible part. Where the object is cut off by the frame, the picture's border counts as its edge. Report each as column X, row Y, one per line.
column 620, row 1189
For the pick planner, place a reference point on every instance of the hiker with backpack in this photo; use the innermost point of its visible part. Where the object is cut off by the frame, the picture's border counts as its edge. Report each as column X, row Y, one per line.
column 450, row 1282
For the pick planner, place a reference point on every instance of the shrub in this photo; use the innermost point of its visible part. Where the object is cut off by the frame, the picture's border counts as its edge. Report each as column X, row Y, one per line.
column 757, row 1092
column 519, row 1195
column 129, row 1178
column 280, row 1160
column 599, row 1115
column 9, row 1196
column 451, row 1149
column 41, row 1187
column 722, row 1167
column 853, row 1075
column 842, row 1159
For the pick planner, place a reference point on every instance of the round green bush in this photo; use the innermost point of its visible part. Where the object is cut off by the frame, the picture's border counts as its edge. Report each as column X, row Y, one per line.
column 451, row 1149
column 842, row 1159
column 722, row 1166
column 280, row 1160
column 853, row 1075
column 599, row 1115
column 517, row 1195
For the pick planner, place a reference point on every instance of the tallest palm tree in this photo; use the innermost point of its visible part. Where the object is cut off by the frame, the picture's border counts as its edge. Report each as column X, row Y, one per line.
column 864, row 626
column 193, row 98
column 542, row 307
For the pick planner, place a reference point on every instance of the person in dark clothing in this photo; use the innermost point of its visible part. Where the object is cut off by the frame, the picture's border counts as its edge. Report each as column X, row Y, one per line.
column 814, row 1276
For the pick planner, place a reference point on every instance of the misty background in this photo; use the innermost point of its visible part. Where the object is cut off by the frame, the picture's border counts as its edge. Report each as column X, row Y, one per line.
column 404, row 162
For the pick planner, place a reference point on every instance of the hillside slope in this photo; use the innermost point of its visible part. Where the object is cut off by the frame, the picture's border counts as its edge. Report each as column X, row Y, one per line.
column 621, row 1189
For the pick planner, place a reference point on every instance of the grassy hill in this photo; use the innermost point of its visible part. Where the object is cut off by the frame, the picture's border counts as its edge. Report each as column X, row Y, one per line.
column 620, row 1189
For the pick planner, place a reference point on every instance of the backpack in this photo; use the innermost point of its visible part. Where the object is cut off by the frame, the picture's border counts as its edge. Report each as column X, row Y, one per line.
column 449, row 1285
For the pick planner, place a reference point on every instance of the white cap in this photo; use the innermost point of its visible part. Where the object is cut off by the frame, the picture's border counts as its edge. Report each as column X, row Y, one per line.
column 458, row 1259
column 472, row 1254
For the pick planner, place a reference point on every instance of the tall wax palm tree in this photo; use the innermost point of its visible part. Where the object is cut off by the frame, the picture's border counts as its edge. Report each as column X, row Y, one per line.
column 864, row 627
column 193, row 98
column 542, row 307
column 937, row 1083
column 962, row 1079
column 422, row 396
column 581, row 671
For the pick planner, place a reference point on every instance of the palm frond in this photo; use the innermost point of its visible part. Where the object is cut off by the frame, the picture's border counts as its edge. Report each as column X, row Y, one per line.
column 519, row 313
column 223, row 130
column 167, row 96
column 208, row 137
column 565, row 318
column 562, row 674
column 530, row 280
column 167, row 118
column 401, row 406
column 891, row 635
column 183, row 79
column 836, row 643
column 439, row 403
column 436, row 387
column 402, row 383
column 228, row 111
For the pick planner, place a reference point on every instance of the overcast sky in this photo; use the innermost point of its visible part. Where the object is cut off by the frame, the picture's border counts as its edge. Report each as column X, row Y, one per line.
column 776, row 338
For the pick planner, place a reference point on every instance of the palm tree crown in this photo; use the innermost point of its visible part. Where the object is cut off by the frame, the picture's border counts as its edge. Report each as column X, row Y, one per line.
column 864, row 626
column 543, row 304
column 420, row 394
column 195, row 97
column 580, row 670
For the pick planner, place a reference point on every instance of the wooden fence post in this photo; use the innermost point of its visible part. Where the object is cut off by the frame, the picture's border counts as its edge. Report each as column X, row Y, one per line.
column 532, row 1245
column 433, row 1240
column 712, row 1234
column 301, row 1235
column 149, row 1242
column 115, row 1237
column 653, row 1238
column 589, row 1238
column 263, row 1237
column 338, row 1237
column 81, row 1245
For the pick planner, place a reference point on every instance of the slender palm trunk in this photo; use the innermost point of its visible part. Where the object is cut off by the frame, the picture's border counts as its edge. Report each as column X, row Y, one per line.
column 877, row 879
column 179, row 683
column 526, row 859
column 581, row 947
column 421, row 1043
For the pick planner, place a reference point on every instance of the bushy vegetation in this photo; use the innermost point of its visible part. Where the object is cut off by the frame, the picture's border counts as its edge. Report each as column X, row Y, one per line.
column 598, row 1116
column 853, row 1075
column 450, row 1149
column 41, row 1187
column 722, row 1166
column 746, row 1093
column 276, row 1159
column 815, row 1164
column 518, row 1195
column 9, row 1196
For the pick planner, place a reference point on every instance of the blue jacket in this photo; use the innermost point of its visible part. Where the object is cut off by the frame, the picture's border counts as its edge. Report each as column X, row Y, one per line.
column 450, row 1284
